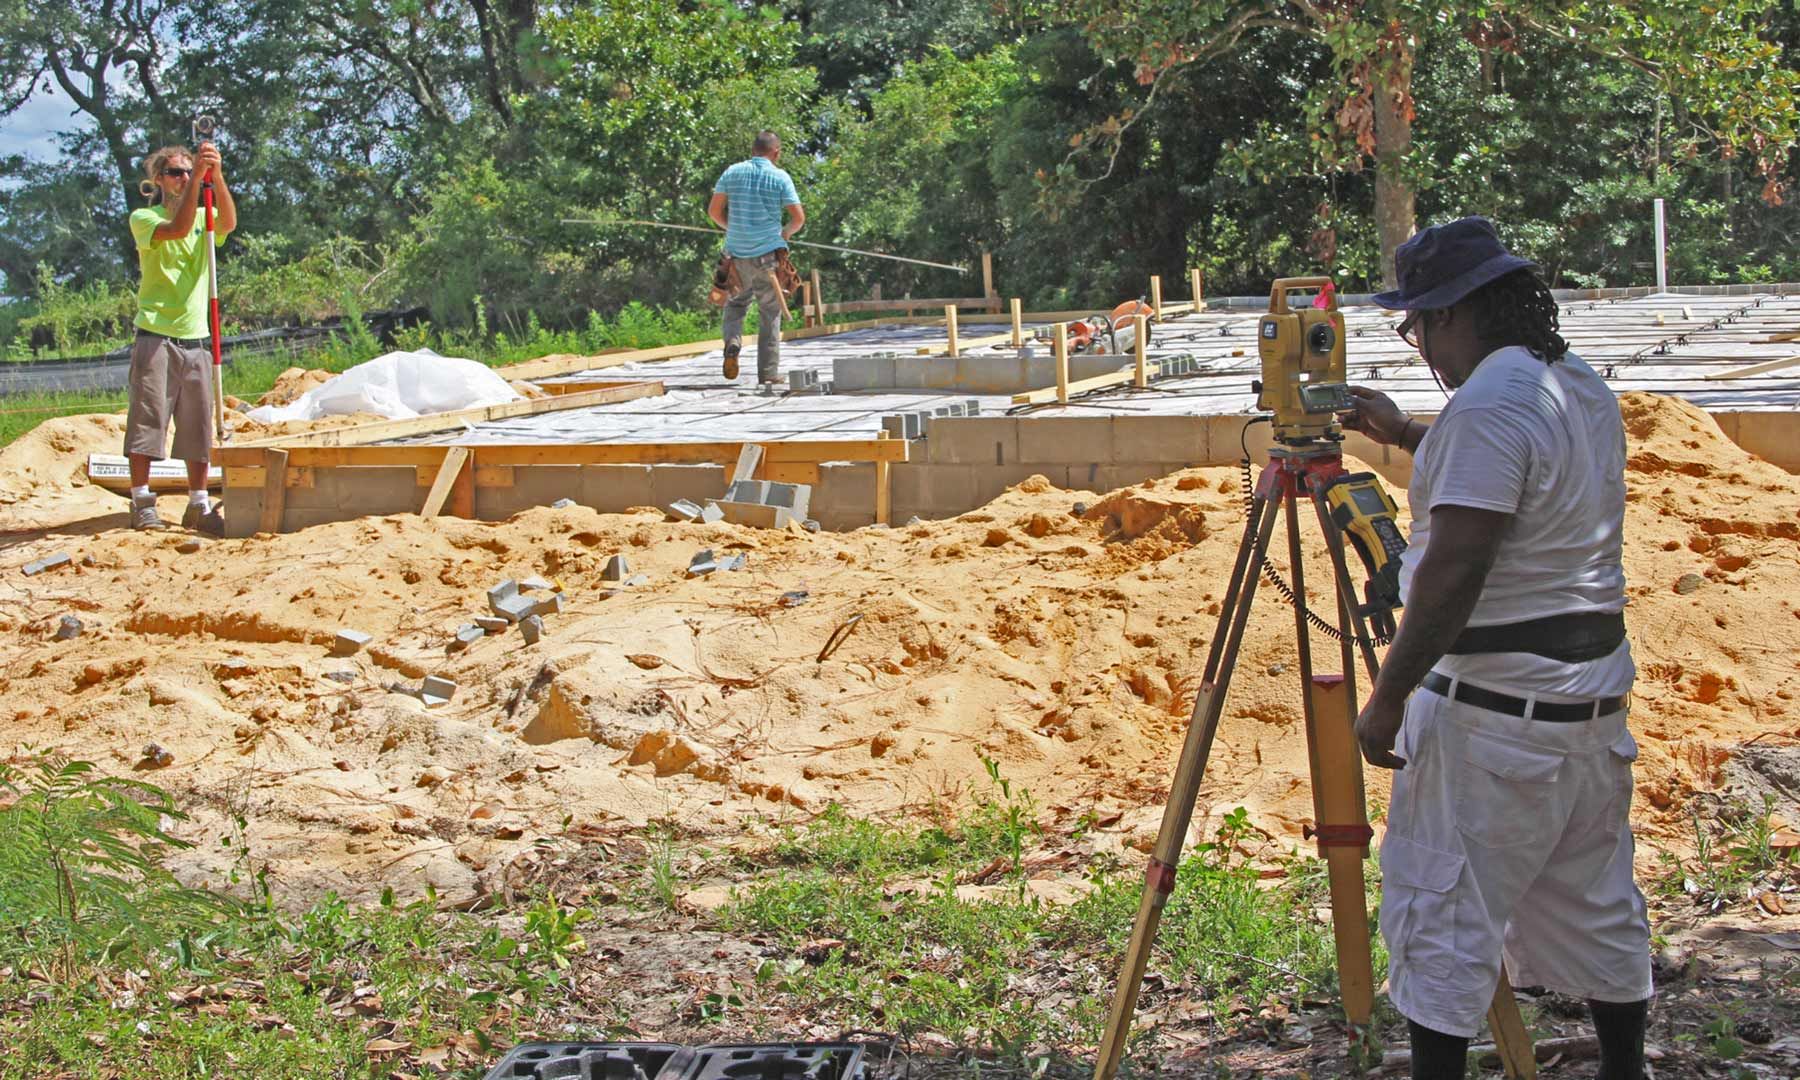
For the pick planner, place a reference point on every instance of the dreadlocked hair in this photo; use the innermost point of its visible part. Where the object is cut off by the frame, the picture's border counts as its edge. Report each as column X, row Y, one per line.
column 1517, row 309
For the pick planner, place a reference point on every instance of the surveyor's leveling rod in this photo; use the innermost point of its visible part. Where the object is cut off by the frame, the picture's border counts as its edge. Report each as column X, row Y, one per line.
column 1293, row 475
column 799, row 243
column 204, row 128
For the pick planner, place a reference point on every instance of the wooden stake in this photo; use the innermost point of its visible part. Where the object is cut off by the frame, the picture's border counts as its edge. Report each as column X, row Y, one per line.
column 1156, row 297
column 950, row 325
column 1141, row 377
column 274, row 494
column 883, row 492
column 1059, row 346
column 455, row 460
column 806, row 303
column 1018, row 338
column 818, row 297
column 1194, row 280
column 987, row 281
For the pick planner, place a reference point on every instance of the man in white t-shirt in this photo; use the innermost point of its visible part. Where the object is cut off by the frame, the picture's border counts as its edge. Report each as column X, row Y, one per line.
column 1502, row 700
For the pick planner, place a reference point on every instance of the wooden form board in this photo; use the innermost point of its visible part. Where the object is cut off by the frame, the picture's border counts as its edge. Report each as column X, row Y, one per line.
column 381, row 430
column 515, row 454
column 548, row 366
column 1757, row 369
column 1082, row 386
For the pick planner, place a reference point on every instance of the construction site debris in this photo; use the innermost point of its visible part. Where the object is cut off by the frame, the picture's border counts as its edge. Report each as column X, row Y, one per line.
column 348, row 642
column 467, row 635
column 155, row 757
column 531, row 628
column 684, row 510
column 191, row 545
column 794, row 598
column 701, row 563
column 48, row 562
column 549, row 605
column 535, row 584
column 1688, row 583
column 616, row 571
column 512, row 606
column 734, row 562
column 68, row 627
column 436, row 690
column 492, row 624
column 562, row 504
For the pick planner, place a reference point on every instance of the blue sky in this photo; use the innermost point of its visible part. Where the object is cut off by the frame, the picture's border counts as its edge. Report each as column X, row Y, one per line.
column 32, row 130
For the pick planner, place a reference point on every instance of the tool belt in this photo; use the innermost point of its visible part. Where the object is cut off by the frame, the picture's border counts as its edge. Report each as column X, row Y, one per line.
column 727, row 282
column 1572, row 639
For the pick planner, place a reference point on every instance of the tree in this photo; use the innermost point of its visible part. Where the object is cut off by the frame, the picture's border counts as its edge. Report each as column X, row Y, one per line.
column 1710, row 58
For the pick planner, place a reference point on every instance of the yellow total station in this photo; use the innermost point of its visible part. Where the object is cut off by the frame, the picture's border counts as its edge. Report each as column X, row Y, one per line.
column 1303, row 372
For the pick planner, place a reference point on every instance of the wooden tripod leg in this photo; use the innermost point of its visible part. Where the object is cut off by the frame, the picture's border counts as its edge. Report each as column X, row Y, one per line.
column 1517, row 1055
column 1511, row 1039
column 1185, row 788
column 1338, row 789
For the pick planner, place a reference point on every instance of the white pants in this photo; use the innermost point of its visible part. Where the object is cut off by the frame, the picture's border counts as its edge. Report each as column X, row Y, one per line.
column 1509, row 836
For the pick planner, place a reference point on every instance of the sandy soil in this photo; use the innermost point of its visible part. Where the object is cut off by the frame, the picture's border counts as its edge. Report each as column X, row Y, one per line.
column 1066, row 649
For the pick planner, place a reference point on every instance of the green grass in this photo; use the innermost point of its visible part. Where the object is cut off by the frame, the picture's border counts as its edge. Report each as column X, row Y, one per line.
column 862, row 924
column 1734, row 856
column 634, row 327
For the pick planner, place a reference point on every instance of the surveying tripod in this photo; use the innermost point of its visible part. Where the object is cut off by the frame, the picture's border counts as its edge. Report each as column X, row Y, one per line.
column 1301, row 469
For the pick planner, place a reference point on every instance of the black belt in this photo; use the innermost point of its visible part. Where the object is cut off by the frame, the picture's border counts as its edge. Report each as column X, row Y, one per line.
column 186, row 343
column 1553, row 712
column 1573, row 639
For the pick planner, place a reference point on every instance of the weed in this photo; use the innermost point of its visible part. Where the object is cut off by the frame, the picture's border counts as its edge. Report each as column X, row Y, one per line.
column 1734, row 854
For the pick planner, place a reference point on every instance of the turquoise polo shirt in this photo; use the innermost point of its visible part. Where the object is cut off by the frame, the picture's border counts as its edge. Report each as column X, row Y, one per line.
column 755, row 192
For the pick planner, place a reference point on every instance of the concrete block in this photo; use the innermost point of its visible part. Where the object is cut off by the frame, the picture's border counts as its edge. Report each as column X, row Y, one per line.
column 711, row 513
column 993, row 373
column 348, row 642
column 696, row 483
column 467, row 635
column 797, row 498
column 531, row 628
column 564, row 504
column 1066, row 440
column 734, row 562
column 894, row 425
column 875, row 372
column 988, row 440
column 756, row 515
column 359, row 490
column 549, row 605
column 492, row 624
column 701, row 563
column 617, row 570
column 801, row 380
column 1180, row 440
column 747, row 491
column 534, row 584
column 1104, row 478
column 684, row 510
column 972, row 407
column 612, row 489
column 514, row 608
column 846, row 490
column 436, row 690
column 48, row 562
column 935, row 372
column 499, row 592
column 68, row 627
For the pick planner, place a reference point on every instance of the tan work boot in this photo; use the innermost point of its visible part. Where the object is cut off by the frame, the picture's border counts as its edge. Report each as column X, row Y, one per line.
column 731, row 361
column 144, row 515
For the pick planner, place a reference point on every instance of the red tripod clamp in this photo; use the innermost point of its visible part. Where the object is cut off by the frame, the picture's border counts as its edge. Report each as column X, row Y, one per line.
column 1330, row 836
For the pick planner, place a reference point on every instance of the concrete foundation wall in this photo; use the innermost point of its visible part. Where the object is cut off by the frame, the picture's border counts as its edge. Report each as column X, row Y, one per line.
column 962, row 463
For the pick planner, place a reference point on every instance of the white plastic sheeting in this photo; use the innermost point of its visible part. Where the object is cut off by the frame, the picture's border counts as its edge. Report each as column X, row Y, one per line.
column 399, row 386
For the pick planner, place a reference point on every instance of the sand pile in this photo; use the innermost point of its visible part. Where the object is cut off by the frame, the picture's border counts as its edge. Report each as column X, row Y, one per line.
column 1064, row 647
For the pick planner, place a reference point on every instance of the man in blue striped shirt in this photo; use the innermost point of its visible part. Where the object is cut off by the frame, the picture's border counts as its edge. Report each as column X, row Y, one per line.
column 748, row 202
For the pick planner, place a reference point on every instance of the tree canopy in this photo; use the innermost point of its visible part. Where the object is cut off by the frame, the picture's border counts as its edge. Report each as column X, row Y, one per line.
column 438, row 149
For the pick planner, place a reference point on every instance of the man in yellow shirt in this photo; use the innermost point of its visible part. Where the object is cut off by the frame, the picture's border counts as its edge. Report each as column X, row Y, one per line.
column 171, row 358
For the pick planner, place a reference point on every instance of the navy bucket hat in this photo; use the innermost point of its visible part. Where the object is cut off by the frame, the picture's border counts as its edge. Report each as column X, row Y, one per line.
column 1444, row 263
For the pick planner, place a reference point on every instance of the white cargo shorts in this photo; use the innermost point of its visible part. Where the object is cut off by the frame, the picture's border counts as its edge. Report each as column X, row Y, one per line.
column 1509, row 837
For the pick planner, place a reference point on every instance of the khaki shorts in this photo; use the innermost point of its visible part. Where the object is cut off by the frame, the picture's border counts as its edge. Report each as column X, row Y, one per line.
column 169, row 381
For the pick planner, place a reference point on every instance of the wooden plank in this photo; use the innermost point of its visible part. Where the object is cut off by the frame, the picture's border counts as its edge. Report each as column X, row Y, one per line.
column 578, row 386
column 454, row 460
column 1081, row 386
column 1139, row 368
column 274, row 494
column 1018, row 329
column 987, row 280
column 501, row 454
column 1756, row 369
column 1194, row 282
column 792, row 472
column 486, row 476
column 254, row 476
column 883, row 488
column 462, row 489
column 1156, row 308
column 950, row 331
column 1059, row 348
column 964, row 344
column 1517, row 1058
column 818, row 298
column 906, row 304
column 382, row 430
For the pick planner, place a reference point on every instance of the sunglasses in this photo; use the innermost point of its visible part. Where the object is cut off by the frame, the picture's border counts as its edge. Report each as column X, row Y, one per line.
column 178, row 172
column 1409, row 329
